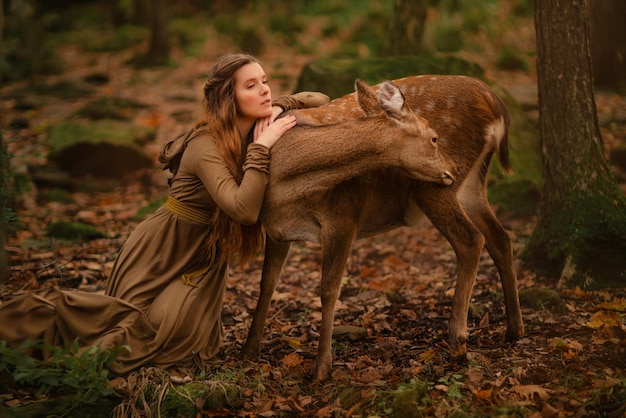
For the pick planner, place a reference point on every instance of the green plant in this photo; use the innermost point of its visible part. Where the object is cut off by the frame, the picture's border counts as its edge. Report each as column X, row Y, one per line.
column 410, row 399
column 454, row 384
column 80, row 374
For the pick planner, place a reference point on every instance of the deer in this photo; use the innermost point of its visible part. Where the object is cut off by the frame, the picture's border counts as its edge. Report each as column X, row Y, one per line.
column 472, row 125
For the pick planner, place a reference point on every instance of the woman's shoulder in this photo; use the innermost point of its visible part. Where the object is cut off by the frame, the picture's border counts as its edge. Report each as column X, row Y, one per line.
column 202, row 141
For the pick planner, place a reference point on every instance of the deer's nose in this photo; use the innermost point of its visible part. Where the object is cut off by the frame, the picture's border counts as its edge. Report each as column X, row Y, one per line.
column 447, row 178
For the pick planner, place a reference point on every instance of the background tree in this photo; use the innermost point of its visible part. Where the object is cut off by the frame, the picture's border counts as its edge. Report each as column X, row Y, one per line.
column 4, row 197
column 159, row 48
column 581, row 230
column 407, row 27
column 608, row 41
column 3, row 262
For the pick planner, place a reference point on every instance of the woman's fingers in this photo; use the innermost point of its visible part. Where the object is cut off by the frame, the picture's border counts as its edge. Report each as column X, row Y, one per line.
column 268, row 134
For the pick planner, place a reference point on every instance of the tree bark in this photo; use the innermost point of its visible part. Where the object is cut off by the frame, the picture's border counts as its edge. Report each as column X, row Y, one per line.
column 580, row 237
column 407, row 27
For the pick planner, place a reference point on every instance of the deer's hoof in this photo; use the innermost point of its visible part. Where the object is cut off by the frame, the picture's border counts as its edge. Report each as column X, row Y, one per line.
column 321, row 372
column 457, row 347
column 514, row 333
column 249, row 353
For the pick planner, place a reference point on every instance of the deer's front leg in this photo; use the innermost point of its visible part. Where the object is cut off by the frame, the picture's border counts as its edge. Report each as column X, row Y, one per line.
column 445, row 213
column 336, row 245
column 275, row 255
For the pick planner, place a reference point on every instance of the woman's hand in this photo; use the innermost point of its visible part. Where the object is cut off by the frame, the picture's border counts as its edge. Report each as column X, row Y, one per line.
column 276, row 110
column 267, row 131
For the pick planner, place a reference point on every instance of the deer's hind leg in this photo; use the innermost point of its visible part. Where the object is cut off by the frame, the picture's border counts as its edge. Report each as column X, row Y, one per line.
column 275, row 256
column 498, row 243
column 444, row 211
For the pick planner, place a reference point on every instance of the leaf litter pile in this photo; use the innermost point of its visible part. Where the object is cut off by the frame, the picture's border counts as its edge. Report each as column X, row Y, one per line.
column 389, row 344
column 390, row 333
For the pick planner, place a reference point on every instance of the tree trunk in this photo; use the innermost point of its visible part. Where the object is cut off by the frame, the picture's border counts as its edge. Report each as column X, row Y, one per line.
column 3, row 171
column 1, row 42
column 608, row 40
column 407, row 27
column 580, row 237
column 159, row 49
column 4, row 198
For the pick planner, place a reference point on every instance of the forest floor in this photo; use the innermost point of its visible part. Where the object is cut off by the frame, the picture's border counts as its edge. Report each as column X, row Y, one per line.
column 397, row 288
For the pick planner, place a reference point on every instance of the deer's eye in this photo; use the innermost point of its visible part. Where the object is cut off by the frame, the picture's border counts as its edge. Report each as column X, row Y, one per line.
column 434, row 139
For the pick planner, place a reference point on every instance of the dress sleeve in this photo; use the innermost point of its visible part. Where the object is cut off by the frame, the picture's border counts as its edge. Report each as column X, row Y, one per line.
column 243, row 201
column 301, row 100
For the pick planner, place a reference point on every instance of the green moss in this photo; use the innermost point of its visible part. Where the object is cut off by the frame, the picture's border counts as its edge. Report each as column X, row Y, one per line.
column 109, row 108
column 69, row 133
column 583, row 241
column 104, row 148
column 59, row 195
column 73, row 231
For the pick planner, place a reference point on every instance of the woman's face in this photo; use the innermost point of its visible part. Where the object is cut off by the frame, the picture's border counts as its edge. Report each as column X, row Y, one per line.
column 252, row 94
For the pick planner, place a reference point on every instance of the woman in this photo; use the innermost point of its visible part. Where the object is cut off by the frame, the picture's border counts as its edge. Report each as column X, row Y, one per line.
column 166, row 289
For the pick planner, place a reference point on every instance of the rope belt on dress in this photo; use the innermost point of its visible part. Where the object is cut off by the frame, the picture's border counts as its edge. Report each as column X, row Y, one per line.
column 194, row 215
column 187, row 212
column 190, row 277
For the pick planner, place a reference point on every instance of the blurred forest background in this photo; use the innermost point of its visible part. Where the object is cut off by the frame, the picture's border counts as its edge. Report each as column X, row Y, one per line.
column 90, row 90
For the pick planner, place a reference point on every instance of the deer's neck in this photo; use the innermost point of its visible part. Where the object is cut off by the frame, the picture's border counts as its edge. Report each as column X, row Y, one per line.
column 313, row 159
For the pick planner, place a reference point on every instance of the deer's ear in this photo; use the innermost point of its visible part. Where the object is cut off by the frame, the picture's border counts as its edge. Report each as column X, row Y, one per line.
column 366, row 98
column 391, row 99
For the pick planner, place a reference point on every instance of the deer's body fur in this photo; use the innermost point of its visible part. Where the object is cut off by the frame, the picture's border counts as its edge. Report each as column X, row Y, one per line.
column 472, row 123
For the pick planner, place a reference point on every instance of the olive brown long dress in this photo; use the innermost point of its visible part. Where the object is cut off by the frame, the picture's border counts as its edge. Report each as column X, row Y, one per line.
column 165, row 292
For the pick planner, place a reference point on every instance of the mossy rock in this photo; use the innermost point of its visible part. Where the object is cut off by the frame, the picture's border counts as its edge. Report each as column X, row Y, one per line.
column 73, row 231
column 335, row 77
column 541, row 298
column 104, row 148
column 109, row 108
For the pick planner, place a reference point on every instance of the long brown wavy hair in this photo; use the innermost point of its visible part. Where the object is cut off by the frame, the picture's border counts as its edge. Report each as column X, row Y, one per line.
column 220, row 112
